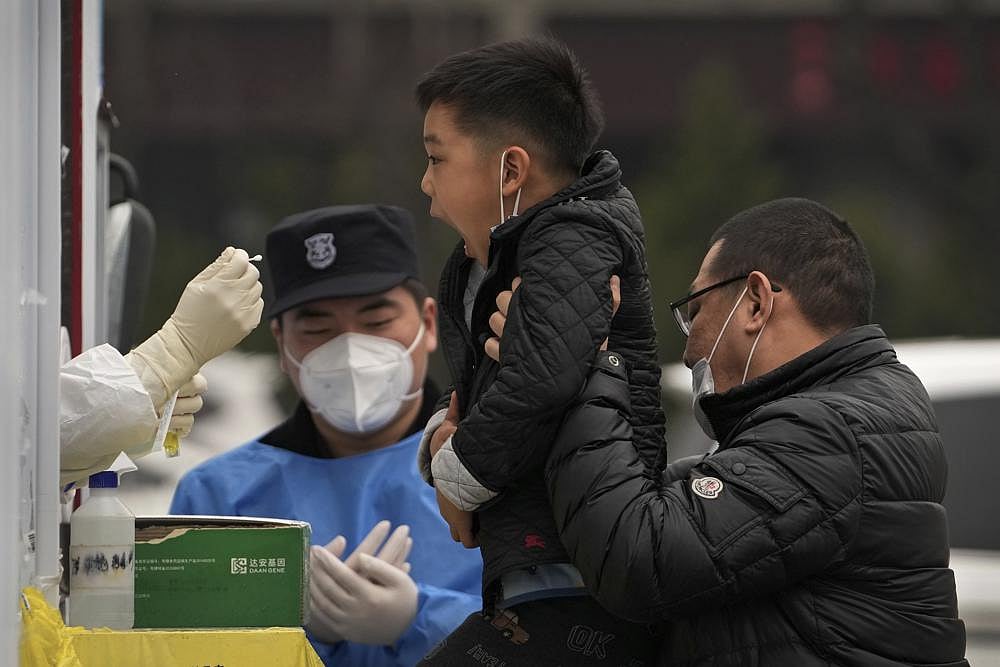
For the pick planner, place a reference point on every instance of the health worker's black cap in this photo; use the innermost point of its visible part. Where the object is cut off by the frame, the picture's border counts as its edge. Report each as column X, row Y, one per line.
column 339, row 251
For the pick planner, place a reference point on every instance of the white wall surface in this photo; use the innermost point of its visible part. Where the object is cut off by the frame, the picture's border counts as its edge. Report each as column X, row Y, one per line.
column 29, row 299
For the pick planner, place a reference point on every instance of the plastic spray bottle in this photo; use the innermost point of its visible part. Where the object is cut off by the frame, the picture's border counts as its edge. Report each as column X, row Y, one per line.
column 102, row 558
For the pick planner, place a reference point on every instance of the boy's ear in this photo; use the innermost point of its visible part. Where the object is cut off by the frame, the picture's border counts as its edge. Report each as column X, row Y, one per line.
column 516, row 165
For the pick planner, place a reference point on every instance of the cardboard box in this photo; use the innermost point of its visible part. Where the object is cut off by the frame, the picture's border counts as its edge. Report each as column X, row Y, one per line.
column 221, row 572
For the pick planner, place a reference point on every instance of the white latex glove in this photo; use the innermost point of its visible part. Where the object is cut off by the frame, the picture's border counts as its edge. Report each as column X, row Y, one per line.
column 366, row 599
column 188, row 402
column 217, row 309
column 395, row 550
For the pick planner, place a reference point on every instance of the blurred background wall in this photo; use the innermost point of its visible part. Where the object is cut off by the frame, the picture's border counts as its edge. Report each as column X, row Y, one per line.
column 237, row 113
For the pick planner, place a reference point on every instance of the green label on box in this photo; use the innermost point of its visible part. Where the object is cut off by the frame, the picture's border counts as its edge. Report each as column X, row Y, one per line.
column 222, row 577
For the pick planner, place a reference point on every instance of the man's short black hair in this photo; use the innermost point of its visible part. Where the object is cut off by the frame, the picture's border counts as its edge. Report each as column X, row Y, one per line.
column 807, row 249
column 533, row 86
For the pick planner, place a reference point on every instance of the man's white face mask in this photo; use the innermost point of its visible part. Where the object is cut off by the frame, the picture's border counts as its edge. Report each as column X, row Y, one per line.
column 357, row 382
column 702, row 380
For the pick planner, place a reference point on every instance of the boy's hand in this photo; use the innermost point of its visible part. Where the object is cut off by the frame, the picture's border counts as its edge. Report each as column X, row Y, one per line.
column 462, row 523
column 616, row 301
column 447, row 427
column 499, row 318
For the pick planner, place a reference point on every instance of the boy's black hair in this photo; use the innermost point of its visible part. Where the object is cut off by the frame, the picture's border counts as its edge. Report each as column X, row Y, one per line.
column 809, row 250
column 535, row 86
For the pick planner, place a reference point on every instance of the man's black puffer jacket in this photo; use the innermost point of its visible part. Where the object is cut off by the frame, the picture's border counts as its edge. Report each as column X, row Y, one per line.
column 565, row 250
column 814, row 535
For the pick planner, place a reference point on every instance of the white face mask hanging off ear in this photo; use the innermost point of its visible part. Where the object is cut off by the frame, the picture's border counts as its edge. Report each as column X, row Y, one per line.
column 517, row 198
column 702, row 380
column 357, row 382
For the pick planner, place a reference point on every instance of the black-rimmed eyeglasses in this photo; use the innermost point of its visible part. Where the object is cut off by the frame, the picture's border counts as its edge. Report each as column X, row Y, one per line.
column 679, row 307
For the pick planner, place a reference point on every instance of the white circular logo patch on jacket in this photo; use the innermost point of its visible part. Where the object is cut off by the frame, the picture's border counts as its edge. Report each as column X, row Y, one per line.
column 320, row 251
column 707, row 487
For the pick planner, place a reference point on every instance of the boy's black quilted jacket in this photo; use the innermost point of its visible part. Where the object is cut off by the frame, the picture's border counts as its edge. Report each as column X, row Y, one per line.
column 565, row 250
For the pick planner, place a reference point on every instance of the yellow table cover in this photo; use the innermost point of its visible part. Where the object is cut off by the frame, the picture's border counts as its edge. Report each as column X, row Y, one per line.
column 47, row 642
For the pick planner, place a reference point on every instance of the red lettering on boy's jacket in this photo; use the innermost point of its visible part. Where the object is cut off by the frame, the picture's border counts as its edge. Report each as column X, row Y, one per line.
column 532, row 541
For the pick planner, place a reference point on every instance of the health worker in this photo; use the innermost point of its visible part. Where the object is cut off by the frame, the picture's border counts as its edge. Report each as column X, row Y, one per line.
column 110, row 403
column 354, row 328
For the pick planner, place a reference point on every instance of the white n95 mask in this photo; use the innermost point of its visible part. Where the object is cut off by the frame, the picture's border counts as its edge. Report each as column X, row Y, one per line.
column 357, row 382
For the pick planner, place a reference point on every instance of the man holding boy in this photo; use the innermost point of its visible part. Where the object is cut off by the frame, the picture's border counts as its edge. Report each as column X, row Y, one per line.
column 814, row 534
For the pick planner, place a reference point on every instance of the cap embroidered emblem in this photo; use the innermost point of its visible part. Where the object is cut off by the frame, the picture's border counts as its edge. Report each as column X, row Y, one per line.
column 320, row 251
column 707, row 487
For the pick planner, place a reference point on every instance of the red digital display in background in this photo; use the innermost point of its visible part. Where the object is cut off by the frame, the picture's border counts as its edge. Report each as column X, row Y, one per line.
column 811, row 86
column 885, row 62
column 941, row 67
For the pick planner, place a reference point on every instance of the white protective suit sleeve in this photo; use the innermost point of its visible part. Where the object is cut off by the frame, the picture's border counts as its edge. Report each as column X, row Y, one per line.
column 103, row 410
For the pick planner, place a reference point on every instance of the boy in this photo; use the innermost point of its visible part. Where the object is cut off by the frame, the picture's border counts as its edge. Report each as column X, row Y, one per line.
column 510, row 127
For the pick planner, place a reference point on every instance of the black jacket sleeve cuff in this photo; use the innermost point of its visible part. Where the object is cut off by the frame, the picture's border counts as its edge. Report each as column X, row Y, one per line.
column 608, row 382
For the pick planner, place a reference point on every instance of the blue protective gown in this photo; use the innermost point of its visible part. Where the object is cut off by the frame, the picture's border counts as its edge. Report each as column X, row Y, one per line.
column 348, row 496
